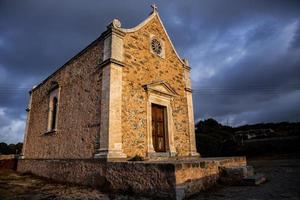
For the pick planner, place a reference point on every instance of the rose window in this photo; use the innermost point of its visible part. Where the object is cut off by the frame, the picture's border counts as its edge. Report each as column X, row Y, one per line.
column 156, row 46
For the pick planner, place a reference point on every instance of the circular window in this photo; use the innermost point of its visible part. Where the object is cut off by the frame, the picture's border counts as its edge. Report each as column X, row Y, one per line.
column 156, row 46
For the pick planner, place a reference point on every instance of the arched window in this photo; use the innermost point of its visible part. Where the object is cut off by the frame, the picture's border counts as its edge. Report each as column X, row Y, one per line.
column 54, row 113
column 53, row 107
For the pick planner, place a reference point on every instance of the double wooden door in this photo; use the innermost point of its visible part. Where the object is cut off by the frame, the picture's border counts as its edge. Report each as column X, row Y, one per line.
column 159, row 128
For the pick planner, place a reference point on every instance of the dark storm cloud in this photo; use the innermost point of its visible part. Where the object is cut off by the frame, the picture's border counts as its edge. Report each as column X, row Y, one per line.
column 265, row 68
column 37, row 37
column 49, row 32
column 197, row 20
column 295, row 45
column 244, row 54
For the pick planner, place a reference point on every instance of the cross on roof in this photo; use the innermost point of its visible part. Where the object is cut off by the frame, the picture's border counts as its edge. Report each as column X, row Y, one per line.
column 154, row 7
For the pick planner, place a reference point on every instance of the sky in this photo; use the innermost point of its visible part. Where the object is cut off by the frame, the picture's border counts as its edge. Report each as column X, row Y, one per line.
column 245, row 55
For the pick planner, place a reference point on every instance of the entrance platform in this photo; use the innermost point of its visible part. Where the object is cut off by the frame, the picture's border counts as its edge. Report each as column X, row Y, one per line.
column 170, row 179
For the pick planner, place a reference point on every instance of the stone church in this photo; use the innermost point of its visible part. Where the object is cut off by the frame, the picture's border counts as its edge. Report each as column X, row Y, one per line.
column 127, row 93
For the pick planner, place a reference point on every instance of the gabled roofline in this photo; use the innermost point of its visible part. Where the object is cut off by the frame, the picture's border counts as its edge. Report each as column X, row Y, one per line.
column 103, row 35
column 143, row 23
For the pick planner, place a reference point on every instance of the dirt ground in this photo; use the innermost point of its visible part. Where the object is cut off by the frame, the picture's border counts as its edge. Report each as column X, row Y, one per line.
column 16, row 186
column 283, row 183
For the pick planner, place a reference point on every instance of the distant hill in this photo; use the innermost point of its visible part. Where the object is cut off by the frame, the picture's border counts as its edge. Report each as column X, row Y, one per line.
column 280, row 129
column 215, row 139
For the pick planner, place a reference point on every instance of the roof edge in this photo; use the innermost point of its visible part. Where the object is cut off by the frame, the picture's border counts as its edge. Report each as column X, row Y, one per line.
column 140, row 25
column 68, row 62
column 143, row 23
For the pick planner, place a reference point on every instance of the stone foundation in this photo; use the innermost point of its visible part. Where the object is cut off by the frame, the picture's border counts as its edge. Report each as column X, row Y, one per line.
column 175, row 179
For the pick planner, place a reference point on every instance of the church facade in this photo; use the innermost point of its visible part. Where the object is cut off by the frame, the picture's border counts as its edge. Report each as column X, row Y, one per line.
column 128, row 93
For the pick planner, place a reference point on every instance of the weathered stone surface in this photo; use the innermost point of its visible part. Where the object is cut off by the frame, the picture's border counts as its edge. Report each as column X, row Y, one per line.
column 142, row 67
column 79, row 110
column 8, row 163
column 150, row 179
column 167, row 179
column 85, row 172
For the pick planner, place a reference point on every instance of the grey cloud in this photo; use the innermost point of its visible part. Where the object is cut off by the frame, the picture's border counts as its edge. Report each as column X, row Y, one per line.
column 295, row 44
column 269, row 70
column 233, row 46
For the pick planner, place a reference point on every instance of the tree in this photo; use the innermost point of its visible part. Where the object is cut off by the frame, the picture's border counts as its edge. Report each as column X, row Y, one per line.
column 4, row 148
column 11, row 148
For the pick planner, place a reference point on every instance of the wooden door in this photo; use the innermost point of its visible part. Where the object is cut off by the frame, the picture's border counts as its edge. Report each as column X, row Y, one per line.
column 158, row 128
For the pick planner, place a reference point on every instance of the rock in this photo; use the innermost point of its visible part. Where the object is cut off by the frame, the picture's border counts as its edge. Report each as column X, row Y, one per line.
column 256, row 179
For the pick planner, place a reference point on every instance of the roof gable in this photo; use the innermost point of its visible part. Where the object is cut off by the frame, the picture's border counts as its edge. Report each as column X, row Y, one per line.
column 145, row 22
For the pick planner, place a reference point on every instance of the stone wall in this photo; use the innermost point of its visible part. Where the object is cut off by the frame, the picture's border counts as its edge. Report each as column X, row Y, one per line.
column 84, row 172
column 78, row 120
column 9, row 156
column 152, row 179
column 149, row 179
column 143, row 67
column 195, row 176
column 8, row 162
column 167, row 179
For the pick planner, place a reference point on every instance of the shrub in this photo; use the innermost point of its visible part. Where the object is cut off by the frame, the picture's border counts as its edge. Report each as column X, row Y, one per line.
column 136, row 158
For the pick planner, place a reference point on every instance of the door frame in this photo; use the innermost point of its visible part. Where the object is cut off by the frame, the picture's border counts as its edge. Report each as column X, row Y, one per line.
column 162, row 100
column 165, row 127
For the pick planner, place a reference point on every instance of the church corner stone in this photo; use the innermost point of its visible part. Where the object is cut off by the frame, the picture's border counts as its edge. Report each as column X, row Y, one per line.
column 111, row 94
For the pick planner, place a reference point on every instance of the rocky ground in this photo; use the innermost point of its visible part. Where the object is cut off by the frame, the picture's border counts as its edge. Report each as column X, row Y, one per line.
column 282, row 173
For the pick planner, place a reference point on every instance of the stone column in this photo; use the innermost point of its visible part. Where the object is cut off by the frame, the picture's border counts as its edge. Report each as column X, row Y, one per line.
column 111, row 94
column 22, row 155
column 188, row 93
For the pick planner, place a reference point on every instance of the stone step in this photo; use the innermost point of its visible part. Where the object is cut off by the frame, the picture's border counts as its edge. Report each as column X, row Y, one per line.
column 256, row 179
column 250, row 171
column 239, row 172
column 234, row 175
